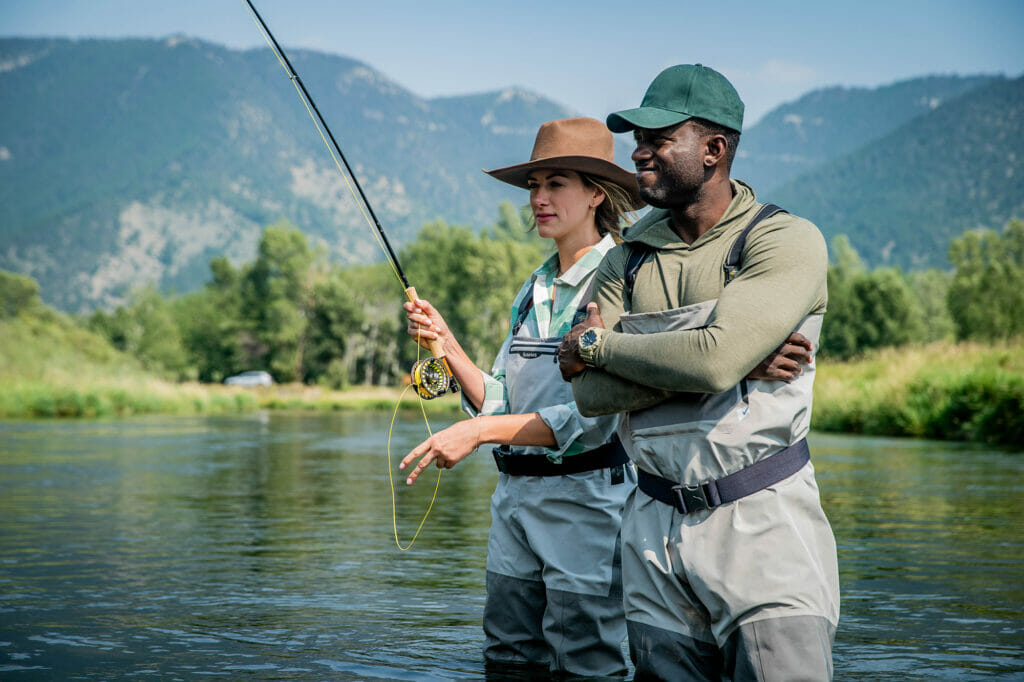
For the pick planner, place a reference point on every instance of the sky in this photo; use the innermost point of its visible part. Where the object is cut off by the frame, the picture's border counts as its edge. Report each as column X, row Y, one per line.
column 594, row 57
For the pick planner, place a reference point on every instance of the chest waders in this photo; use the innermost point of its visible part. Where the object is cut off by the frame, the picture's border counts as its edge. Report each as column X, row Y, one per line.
column 715, row 590
column 554, row 586
column 533, row 382
column 748, row 480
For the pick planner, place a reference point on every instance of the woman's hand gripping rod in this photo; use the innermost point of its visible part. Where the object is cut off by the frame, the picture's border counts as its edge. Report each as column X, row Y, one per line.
column 431, row 377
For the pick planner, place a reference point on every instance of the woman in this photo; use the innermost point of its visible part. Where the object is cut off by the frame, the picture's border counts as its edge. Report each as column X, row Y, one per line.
column 554, row 595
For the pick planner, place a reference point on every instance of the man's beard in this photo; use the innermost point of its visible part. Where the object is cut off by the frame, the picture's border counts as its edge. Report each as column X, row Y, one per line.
column 671, row 196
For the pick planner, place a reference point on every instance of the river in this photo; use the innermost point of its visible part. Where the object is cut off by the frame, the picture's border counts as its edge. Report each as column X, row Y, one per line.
column 262, row 546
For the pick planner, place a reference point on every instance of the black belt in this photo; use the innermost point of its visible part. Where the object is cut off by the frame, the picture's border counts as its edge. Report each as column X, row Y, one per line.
column 608, row 455
column 757, row 476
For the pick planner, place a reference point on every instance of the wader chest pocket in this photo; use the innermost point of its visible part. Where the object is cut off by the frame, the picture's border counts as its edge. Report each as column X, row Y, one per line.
column 531, row 349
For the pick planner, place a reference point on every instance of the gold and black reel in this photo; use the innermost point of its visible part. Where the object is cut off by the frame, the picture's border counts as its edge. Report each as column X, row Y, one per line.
column 432, row 378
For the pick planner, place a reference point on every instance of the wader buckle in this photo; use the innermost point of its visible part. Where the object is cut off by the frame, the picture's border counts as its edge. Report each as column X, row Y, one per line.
column 690, row 498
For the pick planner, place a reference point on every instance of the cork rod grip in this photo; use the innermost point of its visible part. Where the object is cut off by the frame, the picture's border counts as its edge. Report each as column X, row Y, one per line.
column 435, row 345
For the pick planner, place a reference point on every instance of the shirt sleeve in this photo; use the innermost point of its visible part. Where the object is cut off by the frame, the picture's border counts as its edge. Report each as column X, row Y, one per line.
column 575, row 433
column 782, row 281
column 495, row 393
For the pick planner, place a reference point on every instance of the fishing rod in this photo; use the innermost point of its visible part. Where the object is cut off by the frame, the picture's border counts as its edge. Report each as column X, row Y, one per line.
column 432, row 377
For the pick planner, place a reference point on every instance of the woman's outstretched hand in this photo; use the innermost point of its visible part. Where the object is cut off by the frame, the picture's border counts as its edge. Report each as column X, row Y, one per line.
column 445, row 448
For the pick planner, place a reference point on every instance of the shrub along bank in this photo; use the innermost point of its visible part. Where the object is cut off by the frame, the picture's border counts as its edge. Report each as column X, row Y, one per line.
column 944, row 391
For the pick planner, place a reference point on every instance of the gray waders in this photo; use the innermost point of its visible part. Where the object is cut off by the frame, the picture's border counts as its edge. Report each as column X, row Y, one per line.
column 554, row 595
column 719, row 585
column 729, row 563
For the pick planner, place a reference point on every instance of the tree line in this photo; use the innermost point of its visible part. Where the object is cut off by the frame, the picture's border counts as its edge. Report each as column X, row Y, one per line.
column 293, row 313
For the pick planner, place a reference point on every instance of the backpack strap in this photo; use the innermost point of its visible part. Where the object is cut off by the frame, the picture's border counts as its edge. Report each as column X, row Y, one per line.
column 732, row 262
column 638, row 254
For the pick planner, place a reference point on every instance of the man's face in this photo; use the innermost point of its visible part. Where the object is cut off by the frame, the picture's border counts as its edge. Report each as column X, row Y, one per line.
column 670, row 169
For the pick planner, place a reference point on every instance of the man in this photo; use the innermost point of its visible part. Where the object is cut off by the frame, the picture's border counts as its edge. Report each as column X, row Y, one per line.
column 729, row 564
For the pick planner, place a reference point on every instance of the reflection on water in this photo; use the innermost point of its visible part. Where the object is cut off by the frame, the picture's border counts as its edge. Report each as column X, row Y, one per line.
column 263, row 546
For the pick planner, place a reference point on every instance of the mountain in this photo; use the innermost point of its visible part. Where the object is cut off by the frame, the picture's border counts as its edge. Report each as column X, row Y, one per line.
column 824, row 124
column 904, row 196
column 132, row 161
column 127, row 162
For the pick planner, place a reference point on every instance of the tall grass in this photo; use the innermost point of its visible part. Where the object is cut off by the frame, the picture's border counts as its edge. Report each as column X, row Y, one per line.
column 50, row 367
column 942, row 390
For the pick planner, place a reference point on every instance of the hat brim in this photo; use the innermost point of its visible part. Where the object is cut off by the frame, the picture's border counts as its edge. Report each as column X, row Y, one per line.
column 519, row 174
column 644, row 117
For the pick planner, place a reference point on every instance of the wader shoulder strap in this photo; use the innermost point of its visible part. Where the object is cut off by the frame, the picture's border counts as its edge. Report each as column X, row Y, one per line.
column 732, row 262
column 524, row 307
column 527, row 304
column 637, row 256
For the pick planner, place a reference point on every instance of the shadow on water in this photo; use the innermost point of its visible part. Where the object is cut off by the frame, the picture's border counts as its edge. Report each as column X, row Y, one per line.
column 263, row 547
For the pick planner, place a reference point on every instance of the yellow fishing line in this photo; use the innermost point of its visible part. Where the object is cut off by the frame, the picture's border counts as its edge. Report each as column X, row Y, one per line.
column 362, row 209
column 391, row 481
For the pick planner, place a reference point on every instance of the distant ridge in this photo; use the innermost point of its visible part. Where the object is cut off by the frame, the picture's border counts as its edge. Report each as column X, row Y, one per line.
column 127, row 162
column 903, row 197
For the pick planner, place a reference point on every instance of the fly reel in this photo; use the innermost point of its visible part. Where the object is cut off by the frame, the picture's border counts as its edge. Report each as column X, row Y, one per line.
column 432, row 378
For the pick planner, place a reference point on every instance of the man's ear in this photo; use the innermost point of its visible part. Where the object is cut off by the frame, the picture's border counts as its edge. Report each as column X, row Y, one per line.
column 715, row 149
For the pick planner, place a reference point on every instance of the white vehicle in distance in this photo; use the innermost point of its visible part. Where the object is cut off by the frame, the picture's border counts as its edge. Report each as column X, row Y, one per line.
column 254, row 378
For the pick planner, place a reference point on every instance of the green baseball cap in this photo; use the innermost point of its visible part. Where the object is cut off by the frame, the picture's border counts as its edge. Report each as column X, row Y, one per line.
column 680, row 93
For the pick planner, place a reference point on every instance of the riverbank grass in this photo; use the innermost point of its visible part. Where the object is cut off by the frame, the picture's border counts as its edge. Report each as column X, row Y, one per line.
column 944, row 391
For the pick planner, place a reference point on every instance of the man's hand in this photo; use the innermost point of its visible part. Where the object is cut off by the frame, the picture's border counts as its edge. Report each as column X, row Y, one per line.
column 569, row 361
column 784, row 363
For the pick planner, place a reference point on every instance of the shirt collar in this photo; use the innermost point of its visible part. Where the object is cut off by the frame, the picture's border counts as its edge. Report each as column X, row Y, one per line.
column 581, row 268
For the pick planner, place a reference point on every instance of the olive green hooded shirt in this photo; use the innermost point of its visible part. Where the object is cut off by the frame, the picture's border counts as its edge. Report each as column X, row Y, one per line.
column 781, row 281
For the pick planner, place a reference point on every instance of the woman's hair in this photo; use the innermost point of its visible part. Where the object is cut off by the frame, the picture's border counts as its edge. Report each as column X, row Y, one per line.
column 614, row 208
column 609, row 213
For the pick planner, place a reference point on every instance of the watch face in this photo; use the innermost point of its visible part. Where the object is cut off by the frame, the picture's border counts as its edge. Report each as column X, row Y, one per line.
column 588, row 339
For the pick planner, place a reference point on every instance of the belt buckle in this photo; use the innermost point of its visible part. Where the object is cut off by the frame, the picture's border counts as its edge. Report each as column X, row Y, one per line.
column 690, row 498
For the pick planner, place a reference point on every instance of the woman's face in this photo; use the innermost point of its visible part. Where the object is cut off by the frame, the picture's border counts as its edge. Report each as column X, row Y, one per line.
column 562, row 205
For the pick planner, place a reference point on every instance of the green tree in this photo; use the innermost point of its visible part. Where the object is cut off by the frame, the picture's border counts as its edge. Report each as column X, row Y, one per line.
column 867, row 309
column 277, row 301
column 335, row 320
column 513, row 224
column 931, row 288
column 147, row 328
column 986, row 296
column 471, row 279
column 211, row 324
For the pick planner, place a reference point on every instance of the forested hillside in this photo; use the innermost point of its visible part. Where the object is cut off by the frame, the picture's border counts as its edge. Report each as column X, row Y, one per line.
column 902, row 198
column 825, row 124
column 130, row 163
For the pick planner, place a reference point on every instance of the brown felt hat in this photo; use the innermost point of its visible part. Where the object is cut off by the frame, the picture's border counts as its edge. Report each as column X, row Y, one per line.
column 584, row 145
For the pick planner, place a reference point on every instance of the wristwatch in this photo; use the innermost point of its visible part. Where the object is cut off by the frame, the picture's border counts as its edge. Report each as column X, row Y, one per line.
column 589, row 342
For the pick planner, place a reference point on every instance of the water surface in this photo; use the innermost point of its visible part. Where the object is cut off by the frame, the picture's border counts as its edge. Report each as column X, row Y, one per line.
column 263, row 547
